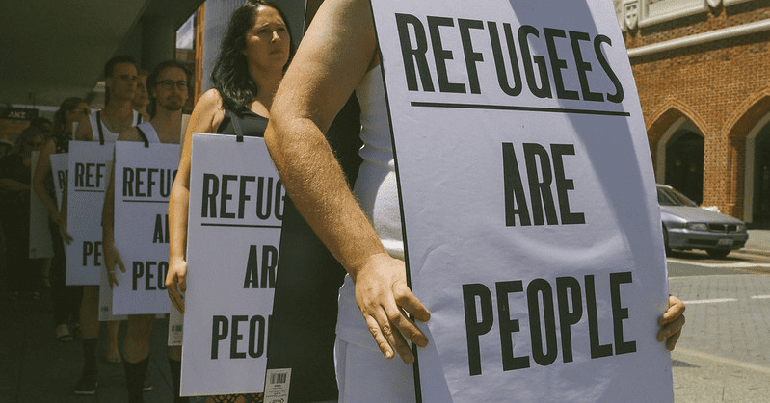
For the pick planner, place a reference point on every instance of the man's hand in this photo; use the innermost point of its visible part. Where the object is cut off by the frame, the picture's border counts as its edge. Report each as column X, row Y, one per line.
column 385, row 300
column 112, row 258
column 671, row 321
column 177, row 274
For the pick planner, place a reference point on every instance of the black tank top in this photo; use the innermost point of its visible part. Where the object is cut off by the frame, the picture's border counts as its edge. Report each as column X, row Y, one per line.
column 249, row 122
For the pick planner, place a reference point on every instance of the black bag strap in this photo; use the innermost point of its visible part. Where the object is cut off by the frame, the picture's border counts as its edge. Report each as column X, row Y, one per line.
column 144, row 137
column 138, row 119
column 236, row 126
column 99, row 127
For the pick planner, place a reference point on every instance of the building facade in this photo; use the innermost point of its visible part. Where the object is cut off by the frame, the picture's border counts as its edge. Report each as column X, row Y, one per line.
column 702, row 68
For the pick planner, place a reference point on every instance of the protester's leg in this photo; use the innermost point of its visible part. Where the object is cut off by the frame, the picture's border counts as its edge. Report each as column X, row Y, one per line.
column 175, row 363
column 136, row 349
column 113, row 350
column 89, row 319
column 59, row 291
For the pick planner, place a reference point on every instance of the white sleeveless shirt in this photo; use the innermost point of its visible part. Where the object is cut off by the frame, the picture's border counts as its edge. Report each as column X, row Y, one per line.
column 109, row 137
column 377, row 195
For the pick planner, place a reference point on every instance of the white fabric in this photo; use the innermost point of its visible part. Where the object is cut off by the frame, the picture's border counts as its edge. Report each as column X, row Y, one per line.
column 109, row 137
column 149, row 131
column 363, row 373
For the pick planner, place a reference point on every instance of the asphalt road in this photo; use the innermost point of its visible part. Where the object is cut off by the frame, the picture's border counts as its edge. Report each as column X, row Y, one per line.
column 723, row 354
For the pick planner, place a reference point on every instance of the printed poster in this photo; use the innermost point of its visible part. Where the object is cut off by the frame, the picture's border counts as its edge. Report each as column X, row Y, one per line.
column 236, row 205
column 533, row 232
column 88, row 166
column 143, row 179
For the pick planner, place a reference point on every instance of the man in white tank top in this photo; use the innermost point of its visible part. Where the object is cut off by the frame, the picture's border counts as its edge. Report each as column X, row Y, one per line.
column 120, row 77
column 168, row 85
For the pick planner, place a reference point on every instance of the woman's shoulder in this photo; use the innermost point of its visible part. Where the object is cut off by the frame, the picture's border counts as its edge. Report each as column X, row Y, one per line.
column 211, row 99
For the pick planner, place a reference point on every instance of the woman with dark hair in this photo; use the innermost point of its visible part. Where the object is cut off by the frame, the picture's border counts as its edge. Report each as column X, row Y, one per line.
column 66, row 300
column 15, row 171
column 256, row 50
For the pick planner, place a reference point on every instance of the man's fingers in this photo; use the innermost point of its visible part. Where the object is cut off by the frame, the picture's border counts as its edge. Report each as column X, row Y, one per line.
column 379, row 337
column 121, row 266
column 406, row 300
column 175, row 298
column 671, row 342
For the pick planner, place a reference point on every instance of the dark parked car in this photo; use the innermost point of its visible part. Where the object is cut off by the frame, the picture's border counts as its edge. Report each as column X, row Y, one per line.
column 688, row 226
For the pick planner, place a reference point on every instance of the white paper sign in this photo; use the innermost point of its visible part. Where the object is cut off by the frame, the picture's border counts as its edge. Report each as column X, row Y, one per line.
column 59, row 172
column 529, row 202
column 236, row 205
column 143, row 180
column 88, row 167
column 40, row 245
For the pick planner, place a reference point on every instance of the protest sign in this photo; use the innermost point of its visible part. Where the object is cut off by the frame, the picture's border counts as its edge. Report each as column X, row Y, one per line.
column 533, row 233
column 236, row 205
column 88, row 165
column 40, row 246
column 143, row 179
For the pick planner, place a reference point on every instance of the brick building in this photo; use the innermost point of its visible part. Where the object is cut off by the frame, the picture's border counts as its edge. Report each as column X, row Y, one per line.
column 702, row 68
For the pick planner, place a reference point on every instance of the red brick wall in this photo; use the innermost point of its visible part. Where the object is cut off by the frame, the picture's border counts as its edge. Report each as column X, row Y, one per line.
column 722, row 87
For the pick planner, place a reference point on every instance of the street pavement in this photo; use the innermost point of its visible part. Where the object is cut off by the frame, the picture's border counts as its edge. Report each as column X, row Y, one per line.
column 722, row 355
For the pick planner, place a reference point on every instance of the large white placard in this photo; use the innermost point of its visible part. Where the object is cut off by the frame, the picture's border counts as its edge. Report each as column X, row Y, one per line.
column 533, row 233
column 236, row 204
column 40, row 245
column 88, row 165
column 143, row 179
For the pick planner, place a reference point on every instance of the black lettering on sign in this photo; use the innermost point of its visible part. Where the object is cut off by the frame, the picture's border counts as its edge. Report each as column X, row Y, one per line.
column 476, row 327
column 538, row 49
column 540, row 179
column 541, row 317
column 153, row 273
column 161, row 233
column 92, row 250
column 269, row 265
column 513, row 59
column 209, row 194
column 62, row 175
column 265, row 193
column 146, row 182
column 414, row 55
column 90, row 174
column 224, row 327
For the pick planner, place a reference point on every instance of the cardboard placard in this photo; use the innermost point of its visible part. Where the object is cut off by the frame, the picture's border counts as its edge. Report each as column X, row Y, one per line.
column 88, row 166
column 236, row 204
column 533, row 232
column 143, row 181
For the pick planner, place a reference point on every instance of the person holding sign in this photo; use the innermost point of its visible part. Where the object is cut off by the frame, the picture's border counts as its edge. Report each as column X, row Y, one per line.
column 66, row 300
column 104, row 126
column 169, row 89
column 339, row 55
column 256, row 50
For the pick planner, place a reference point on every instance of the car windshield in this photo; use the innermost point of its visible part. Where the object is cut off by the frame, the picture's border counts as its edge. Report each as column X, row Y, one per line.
column 671, row 197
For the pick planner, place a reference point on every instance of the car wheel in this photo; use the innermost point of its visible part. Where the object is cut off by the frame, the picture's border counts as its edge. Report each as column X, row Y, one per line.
column 718, row 253
column 665, row 241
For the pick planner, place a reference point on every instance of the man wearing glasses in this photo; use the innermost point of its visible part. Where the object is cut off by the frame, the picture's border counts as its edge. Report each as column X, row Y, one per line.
column 168, row 87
